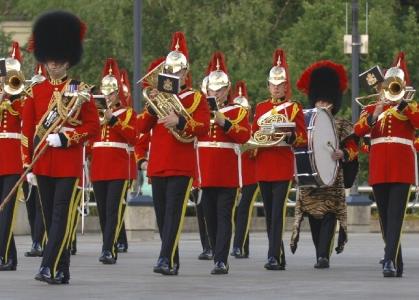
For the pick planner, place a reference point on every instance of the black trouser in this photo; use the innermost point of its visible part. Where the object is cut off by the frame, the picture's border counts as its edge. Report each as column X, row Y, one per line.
column 274, row 195
column 392, row 199
column 75, row 219
column 58, row 202
column 33, row 207
column 7, row 241
column 203, row 232
column 170, row 198
column 110, row 195
column 122, row 238
column 219, row 204
column 243, row 217
column 323, row 232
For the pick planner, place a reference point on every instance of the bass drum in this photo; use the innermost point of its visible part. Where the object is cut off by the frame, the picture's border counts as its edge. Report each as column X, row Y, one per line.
column 315, row 166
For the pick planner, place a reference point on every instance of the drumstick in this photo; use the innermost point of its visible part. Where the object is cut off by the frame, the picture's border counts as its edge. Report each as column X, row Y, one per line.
column 331, row 146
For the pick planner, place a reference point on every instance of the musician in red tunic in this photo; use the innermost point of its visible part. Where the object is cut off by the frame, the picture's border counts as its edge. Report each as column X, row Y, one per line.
column 392, row 122
column 11, row 104
column 110, row 167
column 57, row 103
column 172, row 159
column 33, row 205
column 275, row 165
column 219, row 162
column 122, row 242
column 250, row 189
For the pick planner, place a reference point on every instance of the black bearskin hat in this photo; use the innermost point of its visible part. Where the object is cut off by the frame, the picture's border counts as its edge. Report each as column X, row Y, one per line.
column 57, row 36
column 324, row 80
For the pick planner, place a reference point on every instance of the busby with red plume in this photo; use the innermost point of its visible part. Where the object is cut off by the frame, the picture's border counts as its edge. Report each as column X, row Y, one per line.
column 240, row 95
column 178, row 58
column 400, row 62
column 217, row 72
column 15, row 52
column 324, row 80
column 111, row 78
column 126, row 87
column 279, row 72
column 57, row 36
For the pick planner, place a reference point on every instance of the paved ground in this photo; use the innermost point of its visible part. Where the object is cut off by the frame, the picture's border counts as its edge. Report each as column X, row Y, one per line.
column 355, row 274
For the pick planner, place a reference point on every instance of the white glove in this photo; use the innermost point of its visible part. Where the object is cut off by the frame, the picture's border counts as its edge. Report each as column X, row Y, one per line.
column 31, row 178
column 53, row 140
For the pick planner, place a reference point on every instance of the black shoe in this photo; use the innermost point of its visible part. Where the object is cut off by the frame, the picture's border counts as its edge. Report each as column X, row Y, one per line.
column 9, row 266
column 322, row 263
column 236, row 251
column 36, row 250
column 220, row 268
column 158, row 267
column 44, row 274
column 206, row 255
column 388, row 269
column 273, row 265
column 381, row 261
column 167, row 270
column 107, row 259
column 121, row 248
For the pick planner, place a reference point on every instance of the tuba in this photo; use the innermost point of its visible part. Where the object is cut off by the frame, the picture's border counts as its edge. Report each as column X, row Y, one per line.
column 269, row 133
column 15, row 80
column 165, row 103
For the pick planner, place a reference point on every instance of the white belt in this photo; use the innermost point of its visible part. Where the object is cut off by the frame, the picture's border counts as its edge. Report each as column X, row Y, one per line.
column 218, row 145
column 10, row 135
column 111, row 145
column 392, row 139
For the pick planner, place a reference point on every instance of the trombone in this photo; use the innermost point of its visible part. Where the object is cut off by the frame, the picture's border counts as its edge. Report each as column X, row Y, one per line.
column 393, row 89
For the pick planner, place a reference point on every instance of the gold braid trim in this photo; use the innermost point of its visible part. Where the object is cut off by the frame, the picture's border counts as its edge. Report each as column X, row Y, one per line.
column 240, row 116
column 295, row 110
column 125, row 123
column 191, row 109
column 24, row 140
column 196, row 100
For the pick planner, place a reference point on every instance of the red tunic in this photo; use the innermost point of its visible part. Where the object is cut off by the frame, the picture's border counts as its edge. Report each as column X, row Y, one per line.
column 218, row 164
column 57, row 162
column 10, row 120
column 391, row 159
column 277, row 163
column 111, row 155
column 249, row 167
column 168, row 156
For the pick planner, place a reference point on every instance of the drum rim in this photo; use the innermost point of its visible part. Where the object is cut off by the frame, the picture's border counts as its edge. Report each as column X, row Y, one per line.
column 316, row 175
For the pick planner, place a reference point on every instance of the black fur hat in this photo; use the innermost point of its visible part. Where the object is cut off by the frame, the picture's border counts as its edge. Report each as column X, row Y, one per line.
column 324, row 80
column 57, row 36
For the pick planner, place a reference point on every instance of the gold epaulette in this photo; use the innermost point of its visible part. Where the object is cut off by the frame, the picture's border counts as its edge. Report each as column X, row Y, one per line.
column 196, row 100
column 240, row 115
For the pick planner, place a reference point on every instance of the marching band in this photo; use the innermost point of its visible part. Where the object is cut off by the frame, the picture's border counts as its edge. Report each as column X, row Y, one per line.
column 204, row 141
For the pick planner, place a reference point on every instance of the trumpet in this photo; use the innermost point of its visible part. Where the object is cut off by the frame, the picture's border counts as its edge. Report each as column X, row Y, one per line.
column 393, row 89
column 15, row 80
column 101, row 107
